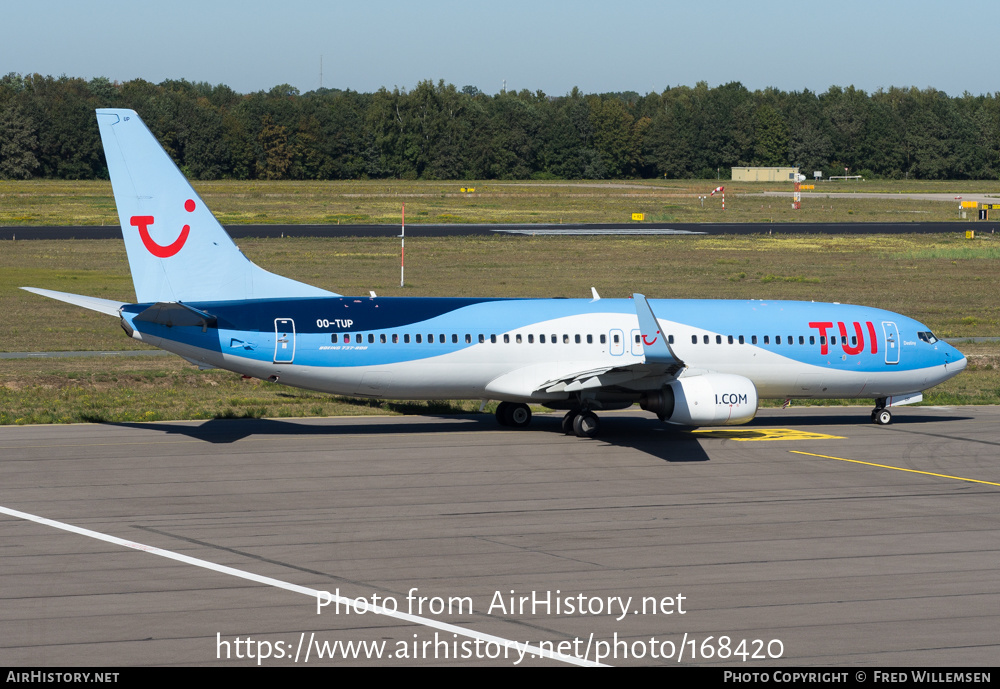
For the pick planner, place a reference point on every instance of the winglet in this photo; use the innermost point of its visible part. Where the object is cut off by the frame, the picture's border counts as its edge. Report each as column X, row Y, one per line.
column 654, row 342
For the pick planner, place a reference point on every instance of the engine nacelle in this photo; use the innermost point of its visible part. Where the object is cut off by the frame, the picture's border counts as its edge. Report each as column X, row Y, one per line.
column 712, row 399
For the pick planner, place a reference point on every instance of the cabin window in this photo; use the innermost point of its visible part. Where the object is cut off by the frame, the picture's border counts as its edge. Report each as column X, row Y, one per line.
column 590, row 339
column 565, row 338
column 395, row 338
column 854, row 340
column 730, row 338
column 812, row 339
column 506, row 338
column 333, row 338
column 381, row 338
column 753, row 339
column 577, row 339
column 357, row 338
column 637, row 338
column 718, row 339
column 767, row 339
column 406, row 338
column 371, row 338
column 418, row 338
column 670, row 339
column 482, row 338
column 694, row 339
column 833, row 339
column 454, row 338
column 616, row 339
column 493, row 338
column 604, row 339
column 541, row 339
column 555, row 339
column 777, row 340
column 742, row 341
column 517, row 338
column 802, row 340
column 531, row 339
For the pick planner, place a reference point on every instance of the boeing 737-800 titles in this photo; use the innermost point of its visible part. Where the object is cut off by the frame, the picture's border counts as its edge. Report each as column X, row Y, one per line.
column 691, row 362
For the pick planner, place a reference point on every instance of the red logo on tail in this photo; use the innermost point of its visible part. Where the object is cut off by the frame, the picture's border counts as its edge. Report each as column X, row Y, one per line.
column 144, row 221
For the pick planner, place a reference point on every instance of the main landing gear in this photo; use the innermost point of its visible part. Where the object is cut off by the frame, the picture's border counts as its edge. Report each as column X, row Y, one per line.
column 515, row 415
column 881, row 415
column 582, row 423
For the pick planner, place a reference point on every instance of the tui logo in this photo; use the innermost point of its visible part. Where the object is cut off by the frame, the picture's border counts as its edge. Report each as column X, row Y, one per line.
column 160, row 251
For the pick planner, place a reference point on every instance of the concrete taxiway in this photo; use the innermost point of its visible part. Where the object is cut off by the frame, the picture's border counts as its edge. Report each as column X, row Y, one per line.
column 809, row 537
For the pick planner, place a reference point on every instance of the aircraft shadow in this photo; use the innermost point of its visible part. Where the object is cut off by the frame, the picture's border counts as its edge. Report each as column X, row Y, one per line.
column 232, row 430
column 899, row 418
column 636, row 433
column 663, row 441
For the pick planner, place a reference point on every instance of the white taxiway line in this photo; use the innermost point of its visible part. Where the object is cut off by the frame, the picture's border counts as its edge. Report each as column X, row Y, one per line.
column 527, row 649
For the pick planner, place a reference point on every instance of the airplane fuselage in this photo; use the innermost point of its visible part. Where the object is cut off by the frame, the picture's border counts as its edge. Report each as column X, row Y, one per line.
column 511, row 349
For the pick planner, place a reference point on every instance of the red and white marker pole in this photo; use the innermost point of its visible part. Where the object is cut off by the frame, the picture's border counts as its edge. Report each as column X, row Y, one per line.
column 402, row 249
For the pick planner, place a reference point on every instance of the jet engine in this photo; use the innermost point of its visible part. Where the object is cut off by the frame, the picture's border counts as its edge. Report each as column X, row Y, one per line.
column 711, row 399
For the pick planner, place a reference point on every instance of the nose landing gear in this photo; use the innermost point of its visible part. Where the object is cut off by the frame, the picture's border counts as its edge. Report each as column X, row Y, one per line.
column 881, row 415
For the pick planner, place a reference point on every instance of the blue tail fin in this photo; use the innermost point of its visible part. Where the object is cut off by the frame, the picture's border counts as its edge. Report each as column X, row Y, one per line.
column 177, row 250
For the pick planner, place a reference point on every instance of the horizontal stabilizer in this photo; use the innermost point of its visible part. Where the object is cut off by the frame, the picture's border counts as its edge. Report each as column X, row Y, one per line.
column 107, row 306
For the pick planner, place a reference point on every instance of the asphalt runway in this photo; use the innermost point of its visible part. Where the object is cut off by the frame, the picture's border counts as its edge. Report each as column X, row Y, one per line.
column 416, row 231
column 735, row 542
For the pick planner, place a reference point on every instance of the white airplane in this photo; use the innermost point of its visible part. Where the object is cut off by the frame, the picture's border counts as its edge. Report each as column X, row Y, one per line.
column 690, row 362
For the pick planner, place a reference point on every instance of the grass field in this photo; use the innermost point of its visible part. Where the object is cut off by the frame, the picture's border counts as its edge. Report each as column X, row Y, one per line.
column 42, row 202
column 947, row 282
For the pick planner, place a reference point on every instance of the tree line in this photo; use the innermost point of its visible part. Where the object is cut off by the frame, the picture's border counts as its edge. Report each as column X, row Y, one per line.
column 437, row 131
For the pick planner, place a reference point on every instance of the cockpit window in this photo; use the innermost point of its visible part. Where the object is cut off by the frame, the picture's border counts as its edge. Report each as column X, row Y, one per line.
column 927, row 337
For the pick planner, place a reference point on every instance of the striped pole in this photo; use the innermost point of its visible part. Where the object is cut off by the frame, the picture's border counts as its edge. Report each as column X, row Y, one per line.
column 402, row 249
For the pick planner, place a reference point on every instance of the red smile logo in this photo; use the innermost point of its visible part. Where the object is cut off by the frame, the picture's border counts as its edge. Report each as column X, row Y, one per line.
column 650, row 342
column 144, row 221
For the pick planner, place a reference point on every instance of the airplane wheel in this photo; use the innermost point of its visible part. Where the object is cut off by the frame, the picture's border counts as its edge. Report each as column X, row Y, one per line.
column 586, row 425
column 883, row 417
column 503, row 414
column 519, row 415
column 567, row 421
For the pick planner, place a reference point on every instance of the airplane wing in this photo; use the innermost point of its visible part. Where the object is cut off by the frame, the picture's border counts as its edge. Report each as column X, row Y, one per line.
column 608, row 377
column 659, row 362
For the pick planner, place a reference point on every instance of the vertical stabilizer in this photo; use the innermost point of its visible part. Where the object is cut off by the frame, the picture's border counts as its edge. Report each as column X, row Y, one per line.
column 177, row 250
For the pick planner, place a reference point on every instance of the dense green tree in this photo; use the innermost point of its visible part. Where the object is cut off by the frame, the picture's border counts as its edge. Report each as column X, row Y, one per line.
column 18, row 144
column 436, row 131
